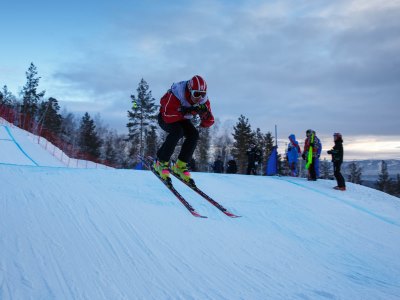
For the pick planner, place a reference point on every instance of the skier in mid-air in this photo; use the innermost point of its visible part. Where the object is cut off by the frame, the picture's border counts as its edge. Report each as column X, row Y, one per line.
column 182, row 102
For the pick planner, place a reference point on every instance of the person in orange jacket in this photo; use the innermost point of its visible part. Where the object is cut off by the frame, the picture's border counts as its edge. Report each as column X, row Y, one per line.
column 182, row 102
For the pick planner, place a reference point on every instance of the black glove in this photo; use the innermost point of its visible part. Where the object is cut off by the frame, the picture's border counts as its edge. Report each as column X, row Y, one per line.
column 303, row 156
column 329, row 152
column 204, row 115
column 202, row 108
column 187, row 110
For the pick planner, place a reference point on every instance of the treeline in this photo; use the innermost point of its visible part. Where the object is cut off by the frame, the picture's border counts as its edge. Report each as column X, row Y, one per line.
column 387, row 184
column 87, row 137
column 353, row 174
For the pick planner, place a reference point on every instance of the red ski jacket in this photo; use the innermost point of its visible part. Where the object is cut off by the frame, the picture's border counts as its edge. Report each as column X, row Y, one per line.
column 171, row 105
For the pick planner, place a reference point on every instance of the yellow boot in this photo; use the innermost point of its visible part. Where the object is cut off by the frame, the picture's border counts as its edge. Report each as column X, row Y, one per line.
column 161, row 167
column 180, row 169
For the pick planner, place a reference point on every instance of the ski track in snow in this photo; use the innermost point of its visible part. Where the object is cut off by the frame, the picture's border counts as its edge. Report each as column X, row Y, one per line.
column 120, row 234
column 345, row 201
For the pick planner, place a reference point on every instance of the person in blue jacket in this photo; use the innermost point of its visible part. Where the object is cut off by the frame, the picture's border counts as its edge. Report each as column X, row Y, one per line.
column 292, row 154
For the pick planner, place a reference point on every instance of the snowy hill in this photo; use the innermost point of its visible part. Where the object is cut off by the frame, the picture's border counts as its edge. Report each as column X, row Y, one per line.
column 120, row 234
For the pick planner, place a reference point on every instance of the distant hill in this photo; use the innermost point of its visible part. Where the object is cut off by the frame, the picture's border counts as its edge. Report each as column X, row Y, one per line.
column 372, row 168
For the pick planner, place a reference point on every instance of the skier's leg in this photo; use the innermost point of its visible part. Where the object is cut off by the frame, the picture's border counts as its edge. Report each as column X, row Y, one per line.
column 338, row 175
column 175, row 133
column 191, row 135
column 313, row 174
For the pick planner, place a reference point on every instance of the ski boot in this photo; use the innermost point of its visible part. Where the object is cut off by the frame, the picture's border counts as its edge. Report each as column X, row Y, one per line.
column 162, row 169
column 339, row 188
column 181, row 170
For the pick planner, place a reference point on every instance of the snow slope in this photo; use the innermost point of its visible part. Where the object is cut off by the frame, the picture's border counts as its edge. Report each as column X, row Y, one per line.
column 120, row 234
column 18, row 147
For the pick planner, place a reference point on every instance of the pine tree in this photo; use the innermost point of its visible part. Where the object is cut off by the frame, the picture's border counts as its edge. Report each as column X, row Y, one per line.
column 354, row 173
column 384, row 182
column 259, row 140
column 151, row 141
column 110, row 155
column 116, row 152
column 49, row 116
column 89, row 142
column 133, row 151
column 203, row 149
column 30, row 95
column 397, row 186
column 267, row 145
column 141, row 118
column 326, row 169
column 222, row 141
column 6, row 97
column 69, row 128
column 242, row 137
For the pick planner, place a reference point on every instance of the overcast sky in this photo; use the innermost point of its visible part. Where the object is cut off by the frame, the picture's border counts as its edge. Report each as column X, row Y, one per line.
column 332, row 66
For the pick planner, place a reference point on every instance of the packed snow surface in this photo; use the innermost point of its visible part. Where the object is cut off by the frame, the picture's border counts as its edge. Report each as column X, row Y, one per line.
column 68, row 233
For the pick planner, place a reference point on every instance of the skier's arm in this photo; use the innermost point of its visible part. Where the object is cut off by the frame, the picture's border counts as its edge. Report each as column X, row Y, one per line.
column 170, row 108
column 207, row 118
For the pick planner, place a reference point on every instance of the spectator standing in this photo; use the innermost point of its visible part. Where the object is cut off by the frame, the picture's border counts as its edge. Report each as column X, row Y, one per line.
column 232, row 166
column 312, row 141
column 337, row 159
column 254, row 159
column 218, row 165
column 292, row 154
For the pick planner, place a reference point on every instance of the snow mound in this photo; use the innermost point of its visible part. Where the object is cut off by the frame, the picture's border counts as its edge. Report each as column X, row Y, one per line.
column 120, row 234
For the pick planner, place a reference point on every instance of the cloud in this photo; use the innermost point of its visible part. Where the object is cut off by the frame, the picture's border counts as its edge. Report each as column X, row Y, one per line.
column 328, row 66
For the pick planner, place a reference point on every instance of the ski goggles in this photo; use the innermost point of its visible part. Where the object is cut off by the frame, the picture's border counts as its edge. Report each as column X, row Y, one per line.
column 198, row 94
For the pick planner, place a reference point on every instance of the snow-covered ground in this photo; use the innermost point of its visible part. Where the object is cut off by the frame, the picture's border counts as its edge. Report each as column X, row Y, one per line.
column 68, row 233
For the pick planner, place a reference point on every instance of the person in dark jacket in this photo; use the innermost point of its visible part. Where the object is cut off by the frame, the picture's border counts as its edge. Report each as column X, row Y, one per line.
column 218, row 165
column 254, row 159
column 337, row 159
column 232, row 166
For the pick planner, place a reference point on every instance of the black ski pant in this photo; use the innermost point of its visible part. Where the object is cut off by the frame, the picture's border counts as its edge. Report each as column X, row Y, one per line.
column 338, row 175
column 311, row 170
column 251, row 168
column 176, row 131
